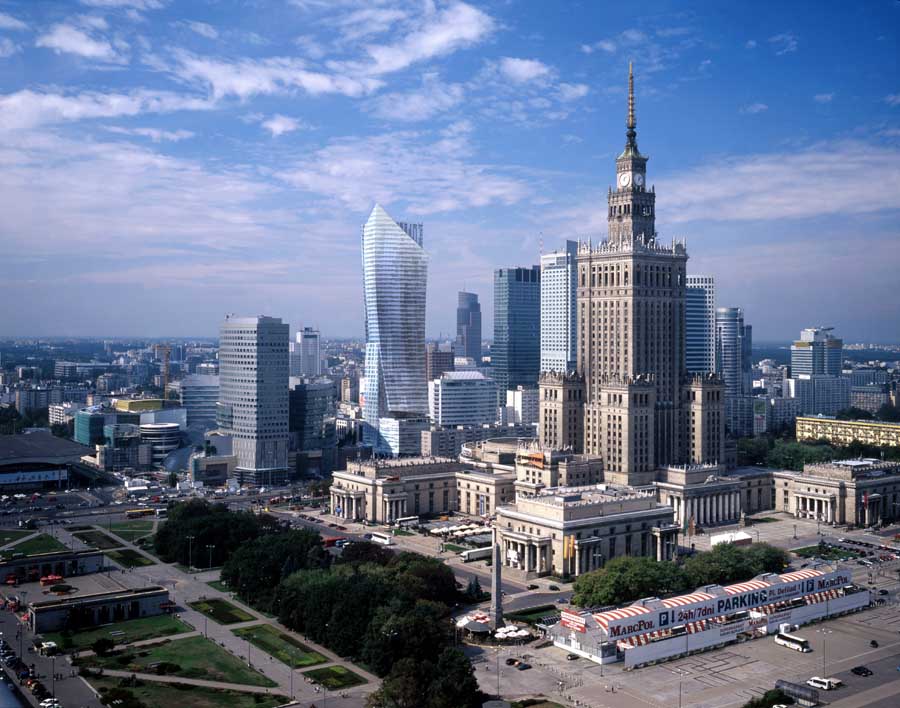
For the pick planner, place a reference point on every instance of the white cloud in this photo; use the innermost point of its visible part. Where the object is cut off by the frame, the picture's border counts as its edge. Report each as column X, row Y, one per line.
column 368, row 22
column 606, row 45
column 128, row 4
column 652, row 51
column 823, row 97
column 28, row 109
column 279, row 125
column 433, row 98
column 892, row 99
column 819, row 181
column 454, row 27
column 249, row 77
column 523, row 70
column 428, row 177
column 156, row 135
column 72, row 40
column 8, row 22
column 750, row 44
column 8, row 47
column 572, row 92
column 754, row 108
column 203, row 29
column 784, row 43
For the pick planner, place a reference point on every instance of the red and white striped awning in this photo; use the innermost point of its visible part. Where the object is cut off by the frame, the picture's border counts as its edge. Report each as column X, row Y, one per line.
column 744, row 587
column 687, row 599
column 801, row 575
column 822, row 596
column 641, row 639
column 604, row 618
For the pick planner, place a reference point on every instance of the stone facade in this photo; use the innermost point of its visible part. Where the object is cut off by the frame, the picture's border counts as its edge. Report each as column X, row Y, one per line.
column 844, row 432
column 561, row 425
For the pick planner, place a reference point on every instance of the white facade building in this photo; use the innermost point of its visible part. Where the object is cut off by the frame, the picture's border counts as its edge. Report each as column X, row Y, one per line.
column 306, row 356
column 558, row 289
column 700, row 324
column 462, row 398
column 522, row 406
column 395, row 271
column 253, row 395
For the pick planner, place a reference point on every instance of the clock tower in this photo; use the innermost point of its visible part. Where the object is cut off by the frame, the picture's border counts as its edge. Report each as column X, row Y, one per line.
column 632, row 207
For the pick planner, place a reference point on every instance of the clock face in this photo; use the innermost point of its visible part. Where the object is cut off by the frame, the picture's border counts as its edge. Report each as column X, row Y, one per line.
column 639, row 179
column 624, row 179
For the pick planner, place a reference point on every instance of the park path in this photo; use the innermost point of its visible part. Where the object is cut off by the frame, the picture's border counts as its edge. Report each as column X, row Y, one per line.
column 17, row 541
column 242, row 687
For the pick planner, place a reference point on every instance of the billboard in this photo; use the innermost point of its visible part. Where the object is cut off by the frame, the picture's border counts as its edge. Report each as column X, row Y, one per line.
column 572, row 621
column 666, row 617
column 34, row 476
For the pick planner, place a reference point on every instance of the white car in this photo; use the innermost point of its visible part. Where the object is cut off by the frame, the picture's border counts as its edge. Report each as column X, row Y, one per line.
column 826, row 684
column 50, row 703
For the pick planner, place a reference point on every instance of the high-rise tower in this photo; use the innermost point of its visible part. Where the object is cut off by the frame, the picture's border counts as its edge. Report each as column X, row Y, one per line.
column 631, row 330
column 468, row 326
column 516, row 350
column 395, row 269
column 700, row 324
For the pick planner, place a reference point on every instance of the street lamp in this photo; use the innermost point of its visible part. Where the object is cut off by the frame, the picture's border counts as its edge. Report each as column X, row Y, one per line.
column 824, row 632
column 210, row 548
column 190, row 539
column 680, row 673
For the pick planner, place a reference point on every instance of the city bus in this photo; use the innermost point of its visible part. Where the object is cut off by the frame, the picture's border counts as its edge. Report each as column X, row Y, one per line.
column 381, row 537
column 476, row 554
column 405, row 522
column 138, row 513
column 161, row 513
column 792, row 642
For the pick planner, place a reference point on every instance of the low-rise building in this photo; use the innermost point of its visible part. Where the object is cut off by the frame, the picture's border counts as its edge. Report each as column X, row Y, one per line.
column 449, row 441
column 98, row 609
column 63, row 563
column 862, row 492
column 567, row 531
column 844, row 432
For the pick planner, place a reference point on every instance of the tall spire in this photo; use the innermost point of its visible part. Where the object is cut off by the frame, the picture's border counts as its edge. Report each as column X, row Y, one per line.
column 631, row 132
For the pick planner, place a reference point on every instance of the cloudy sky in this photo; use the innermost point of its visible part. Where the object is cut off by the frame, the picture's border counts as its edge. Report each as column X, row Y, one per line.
column 163, row 163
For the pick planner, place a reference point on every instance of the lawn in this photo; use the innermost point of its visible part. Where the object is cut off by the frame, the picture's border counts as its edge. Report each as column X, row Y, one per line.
column 131, row 631
column 221, row 611
column 280, row 645
column 219, row 585
column 97, row 539
column 167, row 695
column 39, row 544
column 335, row 677
column 824, row 554
column 132, row 530
column 454, row 547
column 531, row 614
column 13, row 535
column 129, row 558
column 193, row 657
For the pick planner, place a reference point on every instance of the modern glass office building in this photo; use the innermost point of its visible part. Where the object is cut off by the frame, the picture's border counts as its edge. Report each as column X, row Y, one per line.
column 395, row 271
column 516, row 351
column 817, row 352
column 558, row 290
column 700, row 324
column 468, row 326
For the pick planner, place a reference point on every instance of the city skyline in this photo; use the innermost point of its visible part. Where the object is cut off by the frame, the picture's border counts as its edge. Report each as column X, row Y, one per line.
column 229, row 168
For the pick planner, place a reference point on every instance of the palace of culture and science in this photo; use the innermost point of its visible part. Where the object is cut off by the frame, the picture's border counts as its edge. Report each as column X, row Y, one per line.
column 631, row 400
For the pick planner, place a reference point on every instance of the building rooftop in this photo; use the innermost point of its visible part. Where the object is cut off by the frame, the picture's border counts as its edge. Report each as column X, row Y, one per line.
column 39, row 447
column 591, row 494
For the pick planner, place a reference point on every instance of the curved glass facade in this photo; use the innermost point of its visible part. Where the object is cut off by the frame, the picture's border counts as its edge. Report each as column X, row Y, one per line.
column 395, row 271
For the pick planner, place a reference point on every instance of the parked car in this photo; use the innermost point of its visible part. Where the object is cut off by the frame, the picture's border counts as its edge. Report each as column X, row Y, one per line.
column 826, row 684
column 572, row 657
column 522, row 666
column 861, row 671
column 883, row 592
column 873, row 644
column 553, row 588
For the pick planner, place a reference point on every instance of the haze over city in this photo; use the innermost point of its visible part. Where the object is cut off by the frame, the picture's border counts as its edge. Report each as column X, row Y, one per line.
column 166, row 163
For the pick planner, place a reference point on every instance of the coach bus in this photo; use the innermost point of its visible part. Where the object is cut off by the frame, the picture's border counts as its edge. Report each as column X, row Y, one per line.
column 138, row 513
column 792, row 642
column 476, row 554
column 385, row 539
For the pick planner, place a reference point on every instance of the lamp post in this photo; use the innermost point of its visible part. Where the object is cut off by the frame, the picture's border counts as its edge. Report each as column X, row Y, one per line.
column 680, row 673
column 824, row 632
column 190, row 539
column 210, row 548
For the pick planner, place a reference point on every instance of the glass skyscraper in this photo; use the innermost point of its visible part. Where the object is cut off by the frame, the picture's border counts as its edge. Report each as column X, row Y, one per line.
column 468, row 327
column 516, row 351
column 700, row 324
column 733, row 350
column 817, row 352
column 395, row 270
column 558, row 290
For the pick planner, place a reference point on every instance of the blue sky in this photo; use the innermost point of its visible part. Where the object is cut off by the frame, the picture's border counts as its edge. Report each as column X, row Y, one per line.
column 166, row 162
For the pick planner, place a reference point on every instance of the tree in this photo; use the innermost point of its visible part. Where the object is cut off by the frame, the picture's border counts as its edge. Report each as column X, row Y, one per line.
column 405, row 687
column 625, row 579
column 103, row 646
column 172, row 479
column 888, row 413
column 853, row 413
column 454, row 684
column 753, row 451
column 365, row 552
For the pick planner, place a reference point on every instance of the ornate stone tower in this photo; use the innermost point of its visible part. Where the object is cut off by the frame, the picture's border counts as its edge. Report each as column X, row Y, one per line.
column 631, row 334
column 561, row 404
column 705, row 419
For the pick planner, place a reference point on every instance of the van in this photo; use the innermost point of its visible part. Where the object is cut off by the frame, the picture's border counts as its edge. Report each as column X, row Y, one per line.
column 826, row 684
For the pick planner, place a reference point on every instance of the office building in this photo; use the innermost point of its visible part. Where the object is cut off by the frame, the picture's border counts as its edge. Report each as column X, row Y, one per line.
column 401, row 435
column 437, row 361
column 844, row 432
column 733, row 350
column 870, row 397
column 817, row 353
column 199, row 394
column 558, row 292
column 468, row 326
column 516, row 349
column 163, row 439
column 395, row 270
column 819, row 394
column 253, row 395
column 306, row 358
column 522, row 406
column 350, row 389
column 462, row 398
column 313, row 428
column 449, row 441
column 700, row 324
column 63, row 413
column 89, row 425
column 631, row 331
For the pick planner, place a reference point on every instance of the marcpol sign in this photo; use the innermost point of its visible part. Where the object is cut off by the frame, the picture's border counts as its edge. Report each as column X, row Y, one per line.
column 572, row 620
column 663, row 618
